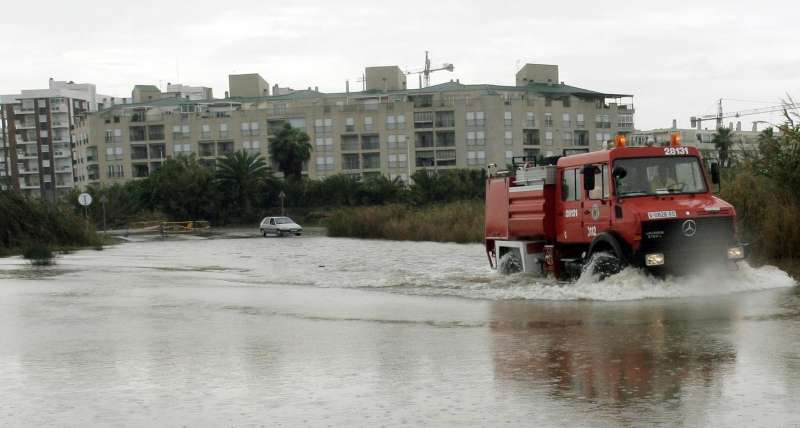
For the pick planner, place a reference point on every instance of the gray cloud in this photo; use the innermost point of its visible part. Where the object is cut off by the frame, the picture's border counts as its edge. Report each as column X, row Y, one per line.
column 677, row 58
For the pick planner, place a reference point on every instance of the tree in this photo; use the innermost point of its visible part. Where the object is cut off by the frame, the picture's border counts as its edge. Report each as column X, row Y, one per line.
column 722, row 142
column 182, row 188
column 240, row 176
column 290, row 147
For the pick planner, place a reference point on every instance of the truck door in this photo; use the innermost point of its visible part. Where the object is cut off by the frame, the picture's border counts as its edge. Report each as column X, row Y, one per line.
column 596, row 206
column 569, row 216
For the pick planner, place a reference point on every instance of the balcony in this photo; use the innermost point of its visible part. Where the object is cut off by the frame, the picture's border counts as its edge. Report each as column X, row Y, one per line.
column 138, row 153
column 370, row 142
column 350, row 143
column 602, row 125
column 206, row 149
column 25, row 125
column 64, row 170
column 27, row 186
column 27, row 155
column 29, row 171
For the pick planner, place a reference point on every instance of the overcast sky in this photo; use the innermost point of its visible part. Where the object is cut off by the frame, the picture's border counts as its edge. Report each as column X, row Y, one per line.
column 676, row 58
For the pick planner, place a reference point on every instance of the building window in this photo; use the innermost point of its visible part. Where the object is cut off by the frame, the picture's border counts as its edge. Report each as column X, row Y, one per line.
column 349, row 125
column 324, row 144
column 350, row 161
column 508, row 138
column 507, row 118
column 509, row 156
column 223, row 130
column 475, row 118
column 325, row 163
column 566, row 120
column 323, row 126
column 401, row 121
column 182, row 149
column 548, row 120
column 398, row 161
column 567, row 138
column 531, row 120
column 548, row 138
column 252, row 147
column 397, row 142
column 368, row 125
column 625, row 120
column 205, row 133
column 579, row 121
column 476, row 158
column 602, row 121
column 371, row 160
column 530, row 137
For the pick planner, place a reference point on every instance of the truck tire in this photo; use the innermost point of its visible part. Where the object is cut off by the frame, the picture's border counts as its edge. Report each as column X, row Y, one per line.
column 510, row 262
column 604, row 264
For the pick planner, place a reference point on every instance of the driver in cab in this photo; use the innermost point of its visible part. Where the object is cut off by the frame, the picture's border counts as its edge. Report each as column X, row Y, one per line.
column 662, row 180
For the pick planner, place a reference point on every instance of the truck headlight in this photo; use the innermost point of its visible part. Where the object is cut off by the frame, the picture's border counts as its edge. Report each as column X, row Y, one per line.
column 736, row 253
column 655, row 259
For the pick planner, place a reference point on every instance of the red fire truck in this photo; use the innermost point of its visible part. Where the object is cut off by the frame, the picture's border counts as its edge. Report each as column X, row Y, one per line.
column 651, row 207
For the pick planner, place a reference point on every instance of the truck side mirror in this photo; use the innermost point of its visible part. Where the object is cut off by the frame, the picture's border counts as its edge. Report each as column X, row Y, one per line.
column 588, row 177
column 619, row 172
column 715, row 173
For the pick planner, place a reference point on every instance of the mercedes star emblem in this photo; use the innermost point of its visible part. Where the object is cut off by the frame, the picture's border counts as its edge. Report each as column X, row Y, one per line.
column 689, row 228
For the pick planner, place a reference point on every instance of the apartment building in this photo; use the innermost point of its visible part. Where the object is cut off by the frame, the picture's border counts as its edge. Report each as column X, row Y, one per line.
column 36, row 128
column 742, row 140
column 385, row 129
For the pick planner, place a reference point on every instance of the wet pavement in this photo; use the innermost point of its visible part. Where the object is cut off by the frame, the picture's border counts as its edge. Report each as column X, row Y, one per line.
column 316, row 331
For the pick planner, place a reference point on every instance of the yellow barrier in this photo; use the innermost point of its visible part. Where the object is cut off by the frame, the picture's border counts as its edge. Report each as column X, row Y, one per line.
column 164, row 227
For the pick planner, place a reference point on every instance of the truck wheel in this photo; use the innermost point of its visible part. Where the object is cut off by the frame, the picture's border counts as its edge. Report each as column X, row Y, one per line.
column 604, row 264
column 510, row 262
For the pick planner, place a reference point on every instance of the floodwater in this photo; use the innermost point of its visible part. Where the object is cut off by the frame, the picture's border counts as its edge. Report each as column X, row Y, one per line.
column 316, row 331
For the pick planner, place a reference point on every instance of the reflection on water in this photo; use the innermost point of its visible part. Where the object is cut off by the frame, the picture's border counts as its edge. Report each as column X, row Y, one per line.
column 651, row 353
column 333, row 332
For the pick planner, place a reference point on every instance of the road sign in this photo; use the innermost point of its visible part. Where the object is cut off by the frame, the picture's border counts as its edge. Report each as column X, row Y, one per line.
column 85, row 199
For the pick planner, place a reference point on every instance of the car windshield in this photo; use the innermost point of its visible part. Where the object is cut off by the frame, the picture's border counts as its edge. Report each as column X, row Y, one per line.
column 660, row 176
column 283, row 220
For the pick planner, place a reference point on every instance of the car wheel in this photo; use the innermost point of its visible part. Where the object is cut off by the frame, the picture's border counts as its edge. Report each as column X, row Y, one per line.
column 263, row 233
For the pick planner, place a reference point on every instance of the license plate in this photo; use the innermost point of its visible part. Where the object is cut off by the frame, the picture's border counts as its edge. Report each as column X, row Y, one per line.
column 655, row 215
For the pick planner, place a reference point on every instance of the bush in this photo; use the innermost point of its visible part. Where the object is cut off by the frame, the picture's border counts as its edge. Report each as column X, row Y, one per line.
column 38, row 254
column 25, row 221
column 454, row 222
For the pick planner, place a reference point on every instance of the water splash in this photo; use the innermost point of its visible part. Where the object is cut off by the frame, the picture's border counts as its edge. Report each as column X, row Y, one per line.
column 630, row 284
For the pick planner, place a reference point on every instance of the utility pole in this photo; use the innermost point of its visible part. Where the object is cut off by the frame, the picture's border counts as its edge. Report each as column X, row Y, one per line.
column 719, row 114
column 103, row 201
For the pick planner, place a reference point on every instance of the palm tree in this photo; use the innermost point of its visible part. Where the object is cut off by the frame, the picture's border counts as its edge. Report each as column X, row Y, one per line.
column 290, row 147
column 240, row 174
column 722, row 142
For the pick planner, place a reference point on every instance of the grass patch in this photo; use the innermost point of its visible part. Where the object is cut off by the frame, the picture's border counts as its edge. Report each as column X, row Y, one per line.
column 460, row 222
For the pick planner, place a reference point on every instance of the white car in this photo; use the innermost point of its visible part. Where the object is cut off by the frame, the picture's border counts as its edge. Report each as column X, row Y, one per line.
column 280, row 226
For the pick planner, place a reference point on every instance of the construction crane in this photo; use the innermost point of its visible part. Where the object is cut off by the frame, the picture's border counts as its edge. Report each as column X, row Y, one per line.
column 697, row 121
column 425, row 73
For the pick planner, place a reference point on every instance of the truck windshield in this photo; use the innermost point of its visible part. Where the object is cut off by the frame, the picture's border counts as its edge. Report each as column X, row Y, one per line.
column 660, row 176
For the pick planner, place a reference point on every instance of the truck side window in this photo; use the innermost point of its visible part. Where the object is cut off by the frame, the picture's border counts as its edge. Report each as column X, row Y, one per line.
column 569, row 185
column 601, row 190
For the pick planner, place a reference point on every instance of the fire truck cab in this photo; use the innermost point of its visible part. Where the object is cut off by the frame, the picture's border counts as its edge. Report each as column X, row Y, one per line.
column 651, row 207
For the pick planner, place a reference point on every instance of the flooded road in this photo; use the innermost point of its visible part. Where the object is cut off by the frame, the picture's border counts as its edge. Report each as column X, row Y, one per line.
column 317, row 331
